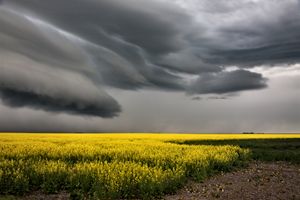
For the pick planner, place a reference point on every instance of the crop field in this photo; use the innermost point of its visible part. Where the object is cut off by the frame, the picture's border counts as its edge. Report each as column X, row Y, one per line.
column 128, row 166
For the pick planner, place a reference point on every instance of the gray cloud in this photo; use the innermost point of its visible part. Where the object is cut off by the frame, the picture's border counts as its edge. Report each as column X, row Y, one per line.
column 196, row 98
column 28, row 120
column 24, row 82
column 225, row 82
column 20, row 34
column 132, row 20
column 251, row 33
column 217, row 98
column 109, row 52
column 15, row 98
column 61, row 55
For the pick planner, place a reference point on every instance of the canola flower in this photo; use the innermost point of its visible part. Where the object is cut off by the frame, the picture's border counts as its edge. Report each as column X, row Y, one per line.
column 112, row 166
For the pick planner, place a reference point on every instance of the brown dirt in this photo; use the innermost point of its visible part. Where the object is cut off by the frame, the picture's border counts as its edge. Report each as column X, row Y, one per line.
column 259, row 181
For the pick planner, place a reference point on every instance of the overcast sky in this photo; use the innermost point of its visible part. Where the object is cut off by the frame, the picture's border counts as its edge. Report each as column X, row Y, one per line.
column 150, row 66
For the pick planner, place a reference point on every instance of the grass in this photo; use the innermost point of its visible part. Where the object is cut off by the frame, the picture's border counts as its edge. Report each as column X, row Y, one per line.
column 112, row 166
column 286, row 149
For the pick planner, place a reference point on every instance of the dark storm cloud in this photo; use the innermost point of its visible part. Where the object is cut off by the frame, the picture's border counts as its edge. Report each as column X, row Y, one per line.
column 132, row 20
column 63, row 53
column 251, row 33
column 19, row 34
column 115, row 34
column 278, row 44
column 14, row 98
column 24, row 82
column 225, row 82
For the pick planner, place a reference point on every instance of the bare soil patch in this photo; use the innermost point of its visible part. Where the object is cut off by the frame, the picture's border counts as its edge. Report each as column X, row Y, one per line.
column 259, row 181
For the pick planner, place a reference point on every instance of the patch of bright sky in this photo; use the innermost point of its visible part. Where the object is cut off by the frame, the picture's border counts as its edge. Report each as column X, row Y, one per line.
column 277, row 71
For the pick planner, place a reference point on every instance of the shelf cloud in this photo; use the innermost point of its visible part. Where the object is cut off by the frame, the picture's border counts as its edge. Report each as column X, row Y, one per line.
column 64, row 56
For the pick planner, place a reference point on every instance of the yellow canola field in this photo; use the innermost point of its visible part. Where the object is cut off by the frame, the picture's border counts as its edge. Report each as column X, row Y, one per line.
column 112, row 166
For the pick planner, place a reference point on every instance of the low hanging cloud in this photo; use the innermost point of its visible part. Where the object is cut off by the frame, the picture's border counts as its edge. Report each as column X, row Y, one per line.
column 62, row 56
column 27, row 83
column 225, row 82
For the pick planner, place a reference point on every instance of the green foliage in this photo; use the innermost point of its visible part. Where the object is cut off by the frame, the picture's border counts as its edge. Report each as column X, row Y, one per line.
column 279, row 149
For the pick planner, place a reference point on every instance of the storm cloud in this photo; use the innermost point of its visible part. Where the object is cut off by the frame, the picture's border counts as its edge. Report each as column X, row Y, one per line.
column 65, row 56
column 27, row 83
column 228, row 81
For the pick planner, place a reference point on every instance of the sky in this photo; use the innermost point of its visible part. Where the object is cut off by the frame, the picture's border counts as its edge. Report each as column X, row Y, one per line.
column 150, row 66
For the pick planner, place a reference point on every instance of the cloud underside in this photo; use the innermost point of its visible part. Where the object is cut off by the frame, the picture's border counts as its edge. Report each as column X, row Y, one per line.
column 61, row 55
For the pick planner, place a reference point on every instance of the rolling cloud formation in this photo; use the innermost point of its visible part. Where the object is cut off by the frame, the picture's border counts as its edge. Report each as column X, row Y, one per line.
column 62, row 55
